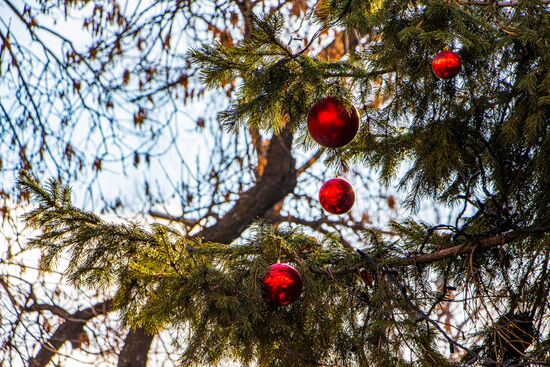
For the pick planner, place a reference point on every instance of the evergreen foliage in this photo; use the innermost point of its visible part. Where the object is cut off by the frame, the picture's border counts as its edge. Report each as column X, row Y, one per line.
column 480, row 141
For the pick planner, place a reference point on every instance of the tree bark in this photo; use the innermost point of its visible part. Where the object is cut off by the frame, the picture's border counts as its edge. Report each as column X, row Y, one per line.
column 278, row 180
column 135, row 350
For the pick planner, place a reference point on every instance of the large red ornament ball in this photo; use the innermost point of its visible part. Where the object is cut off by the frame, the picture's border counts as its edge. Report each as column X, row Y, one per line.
column 282, row 284
column 331, row 124
column 337, row 196
column 446, row 64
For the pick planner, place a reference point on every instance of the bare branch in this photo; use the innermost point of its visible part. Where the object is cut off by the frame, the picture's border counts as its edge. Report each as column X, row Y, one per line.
column 68, row 331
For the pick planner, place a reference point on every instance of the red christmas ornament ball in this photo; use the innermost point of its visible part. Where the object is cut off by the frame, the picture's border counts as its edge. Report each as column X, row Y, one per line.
column 446, row 64
column 282, row 284
column 331, row 124
column 337, row 196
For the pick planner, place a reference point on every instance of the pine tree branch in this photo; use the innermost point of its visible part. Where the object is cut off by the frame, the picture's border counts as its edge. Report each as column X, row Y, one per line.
column 324, row 28
column 475, row 245
column 478, row 245
column 67, row 331
column 470, row 246
column 278, row 180
column 135, row 352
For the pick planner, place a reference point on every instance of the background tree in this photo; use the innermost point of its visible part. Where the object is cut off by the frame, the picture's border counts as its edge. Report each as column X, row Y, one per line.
column 477, row 145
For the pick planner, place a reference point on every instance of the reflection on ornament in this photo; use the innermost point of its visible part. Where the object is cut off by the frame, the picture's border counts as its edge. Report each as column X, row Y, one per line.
column 446, row 64
column 332, row 125
column 337, row 196
column 282, row 284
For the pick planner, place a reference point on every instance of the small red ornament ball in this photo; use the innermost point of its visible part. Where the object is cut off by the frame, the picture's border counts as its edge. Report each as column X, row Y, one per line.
column 331, row 124
column 337, row 196
column 282, row 284
column 446, row 64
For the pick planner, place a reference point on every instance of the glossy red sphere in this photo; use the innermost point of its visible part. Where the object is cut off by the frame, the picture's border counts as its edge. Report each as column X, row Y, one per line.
column 337, row 196
column 331, row 124
column 446, row 64
column 282, row 284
